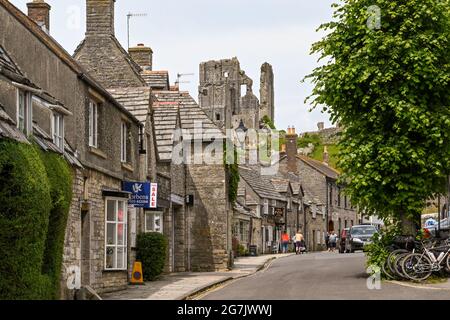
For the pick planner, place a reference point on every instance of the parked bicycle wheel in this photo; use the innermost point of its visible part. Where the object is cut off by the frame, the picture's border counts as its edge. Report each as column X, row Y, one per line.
column 398, row 265
column 417, row 267
column 391, row 261
column 387, row 272
column 447, row 264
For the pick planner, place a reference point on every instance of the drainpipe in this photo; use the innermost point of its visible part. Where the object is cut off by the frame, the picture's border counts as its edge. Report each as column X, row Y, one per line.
column 327, row 206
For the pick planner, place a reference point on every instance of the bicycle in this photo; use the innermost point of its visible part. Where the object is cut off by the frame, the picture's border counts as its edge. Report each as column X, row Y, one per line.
column 420, row 266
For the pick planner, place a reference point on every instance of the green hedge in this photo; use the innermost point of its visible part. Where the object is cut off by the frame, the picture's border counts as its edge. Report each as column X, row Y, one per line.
column 34, row 189
column 60, row 179
column 151, row 252
column 25, row 206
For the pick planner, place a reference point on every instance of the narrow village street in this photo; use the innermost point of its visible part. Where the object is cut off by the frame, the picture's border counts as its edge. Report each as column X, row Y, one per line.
column 320, row 276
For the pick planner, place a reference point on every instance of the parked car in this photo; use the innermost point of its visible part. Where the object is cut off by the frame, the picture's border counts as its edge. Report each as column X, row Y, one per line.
column 359, row 237
column 342, row 239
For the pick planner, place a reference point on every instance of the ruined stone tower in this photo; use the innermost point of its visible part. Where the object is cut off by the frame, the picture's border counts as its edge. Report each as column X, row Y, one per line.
column 224, row 100
column 267, row 94
column 220, row 90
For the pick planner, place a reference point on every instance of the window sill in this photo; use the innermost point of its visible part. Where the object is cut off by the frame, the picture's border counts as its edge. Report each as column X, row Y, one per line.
column 128, row 167
column 98, row 152
column 115, row 271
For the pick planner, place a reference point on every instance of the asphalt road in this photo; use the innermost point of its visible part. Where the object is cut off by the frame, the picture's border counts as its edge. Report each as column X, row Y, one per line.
column 319, row 276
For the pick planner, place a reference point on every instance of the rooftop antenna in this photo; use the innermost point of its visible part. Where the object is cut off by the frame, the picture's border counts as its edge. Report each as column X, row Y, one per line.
column 129, row 16
column 180, row 75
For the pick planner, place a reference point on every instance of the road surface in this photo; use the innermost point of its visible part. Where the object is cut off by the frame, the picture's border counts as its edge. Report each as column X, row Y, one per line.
column 319, row 276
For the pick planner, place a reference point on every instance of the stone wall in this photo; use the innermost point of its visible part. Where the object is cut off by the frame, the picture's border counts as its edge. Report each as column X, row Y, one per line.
column 72, row 244
column 209, row 218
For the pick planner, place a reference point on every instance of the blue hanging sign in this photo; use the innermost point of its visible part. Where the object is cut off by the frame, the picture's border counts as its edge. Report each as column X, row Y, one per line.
column 141, row 194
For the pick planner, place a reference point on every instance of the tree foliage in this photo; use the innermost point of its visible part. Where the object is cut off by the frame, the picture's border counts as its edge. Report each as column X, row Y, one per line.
column 388, row 85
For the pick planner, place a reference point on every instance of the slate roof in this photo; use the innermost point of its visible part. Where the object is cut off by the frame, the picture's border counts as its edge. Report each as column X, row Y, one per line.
column 6, row 63
column 165, row 122
column 135, row 99
column 262, row 186
column 157, row 80
column 190, row 115
column 321, row 167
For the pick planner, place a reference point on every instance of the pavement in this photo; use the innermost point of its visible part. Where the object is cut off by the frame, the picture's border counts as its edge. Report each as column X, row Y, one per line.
column 322, row 276
column 182, row 286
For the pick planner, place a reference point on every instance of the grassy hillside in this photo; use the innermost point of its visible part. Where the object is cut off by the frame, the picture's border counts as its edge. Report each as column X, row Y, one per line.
column 319, row 145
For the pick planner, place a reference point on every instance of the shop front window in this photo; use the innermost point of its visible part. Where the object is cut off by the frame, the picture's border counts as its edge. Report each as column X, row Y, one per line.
column 116, row 234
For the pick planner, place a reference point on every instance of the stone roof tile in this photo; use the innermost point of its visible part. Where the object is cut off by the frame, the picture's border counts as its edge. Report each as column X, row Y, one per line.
column 259, row 184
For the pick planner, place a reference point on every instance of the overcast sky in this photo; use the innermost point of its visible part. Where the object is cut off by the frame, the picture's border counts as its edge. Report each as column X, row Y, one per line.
column 184, row 33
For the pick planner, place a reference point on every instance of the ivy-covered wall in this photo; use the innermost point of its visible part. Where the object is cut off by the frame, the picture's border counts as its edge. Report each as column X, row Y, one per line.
column 35, row 194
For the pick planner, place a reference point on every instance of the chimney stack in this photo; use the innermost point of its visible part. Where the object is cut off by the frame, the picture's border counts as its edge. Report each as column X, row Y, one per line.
column 100, row 17
column 143, row 56
column 291, row 150
column 39, row 12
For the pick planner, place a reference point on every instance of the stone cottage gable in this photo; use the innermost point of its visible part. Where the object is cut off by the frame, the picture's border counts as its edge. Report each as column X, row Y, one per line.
column 101, row 53
column 209, row 216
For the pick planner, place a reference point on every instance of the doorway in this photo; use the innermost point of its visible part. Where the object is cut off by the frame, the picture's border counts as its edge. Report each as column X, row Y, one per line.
column 330, row 226
column 85, row 248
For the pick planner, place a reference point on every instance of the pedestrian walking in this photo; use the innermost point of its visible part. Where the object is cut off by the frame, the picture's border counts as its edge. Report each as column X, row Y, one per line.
column 299, row 243
column 285, row 241
column 327, row 241
column 333, row 241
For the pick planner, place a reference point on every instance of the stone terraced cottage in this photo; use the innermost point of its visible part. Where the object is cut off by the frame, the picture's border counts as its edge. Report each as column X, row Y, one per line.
column 96, row 249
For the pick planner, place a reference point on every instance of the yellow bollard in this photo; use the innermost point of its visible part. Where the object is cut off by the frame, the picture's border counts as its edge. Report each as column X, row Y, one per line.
column 137, row 277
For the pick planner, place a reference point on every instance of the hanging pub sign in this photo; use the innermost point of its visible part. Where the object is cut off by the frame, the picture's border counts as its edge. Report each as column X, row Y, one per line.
column 278, row 212
column 143, row 194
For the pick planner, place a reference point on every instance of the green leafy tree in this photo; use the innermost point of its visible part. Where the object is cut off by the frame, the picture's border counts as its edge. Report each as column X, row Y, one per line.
column 386, row 80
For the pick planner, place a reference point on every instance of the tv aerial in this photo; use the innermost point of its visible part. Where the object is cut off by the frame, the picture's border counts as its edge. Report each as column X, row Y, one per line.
column 129, row 16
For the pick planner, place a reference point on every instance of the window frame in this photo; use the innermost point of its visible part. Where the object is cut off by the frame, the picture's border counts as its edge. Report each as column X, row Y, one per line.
column 93, row 123
column 124, row 142
column 266, row 207
column 58, row 130
column 161, row 217
column 116, row 246
column 27, row 117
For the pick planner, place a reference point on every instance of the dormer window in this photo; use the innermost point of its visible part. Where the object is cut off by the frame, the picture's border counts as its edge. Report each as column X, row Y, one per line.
column 24, row 112
column 58, row 130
